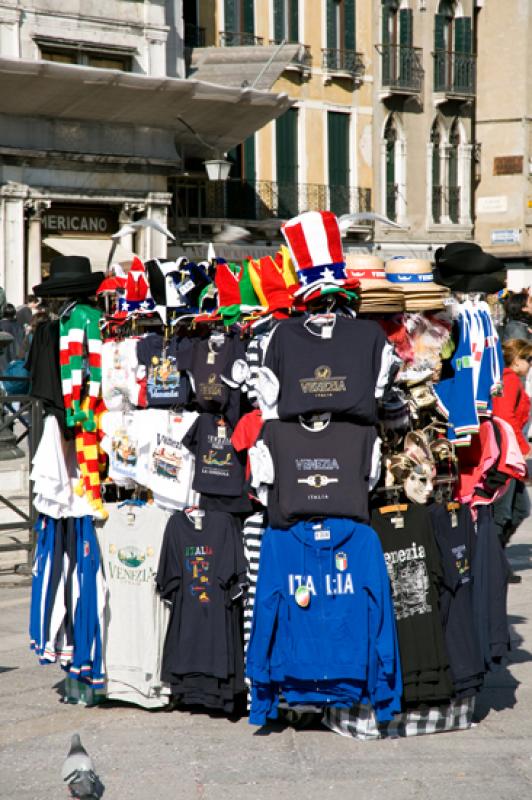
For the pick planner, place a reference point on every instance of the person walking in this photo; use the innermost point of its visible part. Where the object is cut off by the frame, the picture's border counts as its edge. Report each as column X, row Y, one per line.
column 513, row 406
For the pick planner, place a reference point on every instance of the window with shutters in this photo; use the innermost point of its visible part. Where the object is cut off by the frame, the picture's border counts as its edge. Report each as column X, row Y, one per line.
column 338, row 160
column 402, row 69
column 286, row 20
column 391, row 187
column 340, row 54
column 286, row 128
column 454, row 60
column 452, row 180
column 436, row 164
column 239, row 24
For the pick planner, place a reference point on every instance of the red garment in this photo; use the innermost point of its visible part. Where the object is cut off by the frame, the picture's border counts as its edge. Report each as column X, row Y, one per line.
column 246, row 433
column 513, row 405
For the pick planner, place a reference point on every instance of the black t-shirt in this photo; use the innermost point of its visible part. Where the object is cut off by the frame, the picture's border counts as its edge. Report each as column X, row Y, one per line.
column 43, row 365
column 209, row 363
column 166, row 384
column 219, row 469
column 336, row 374
column 415, row 572
column 455, row 536
column 201, row 572
column 322, row 473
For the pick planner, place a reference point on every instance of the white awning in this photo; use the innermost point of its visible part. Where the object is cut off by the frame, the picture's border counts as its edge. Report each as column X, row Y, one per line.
column 222, row 116
column 96, row 250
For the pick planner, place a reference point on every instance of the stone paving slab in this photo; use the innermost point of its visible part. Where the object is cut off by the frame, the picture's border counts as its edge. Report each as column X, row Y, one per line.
column 144, row 755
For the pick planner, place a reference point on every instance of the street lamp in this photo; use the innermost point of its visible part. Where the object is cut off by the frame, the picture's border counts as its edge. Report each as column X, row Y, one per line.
column 218, row 169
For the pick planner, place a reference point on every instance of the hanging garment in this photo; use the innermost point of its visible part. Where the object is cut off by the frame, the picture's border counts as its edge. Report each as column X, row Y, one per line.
column 490, row 589
column 323, row 472
column 167, row 384
column 415, row 572
column 202, row 573
column 209, row 362
column 456, row 539
column 331, row 368
column 136, row 618
column 121, row 388
column 219, row 469
column 323, row 627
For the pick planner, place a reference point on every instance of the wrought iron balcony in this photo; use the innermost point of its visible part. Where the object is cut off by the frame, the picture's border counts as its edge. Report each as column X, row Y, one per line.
column 402, row 70
column 197, row 199
column 342, row 63
column 303, row 58
column 194, row 36
column 454, row 73
column 239, row 39
column 437, row 204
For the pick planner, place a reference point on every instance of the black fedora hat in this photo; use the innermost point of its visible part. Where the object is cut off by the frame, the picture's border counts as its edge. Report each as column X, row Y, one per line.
column 70, row 276
column 466, row 258
column 487, row 284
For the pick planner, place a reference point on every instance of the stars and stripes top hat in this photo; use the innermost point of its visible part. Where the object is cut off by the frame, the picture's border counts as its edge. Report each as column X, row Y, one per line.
column 315, row 245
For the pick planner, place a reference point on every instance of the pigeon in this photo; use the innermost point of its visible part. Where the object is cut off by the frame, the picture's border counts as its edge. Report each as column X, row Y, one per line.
column 232, row 233
column 346, row 220
column 78, row 773
column 133, row 227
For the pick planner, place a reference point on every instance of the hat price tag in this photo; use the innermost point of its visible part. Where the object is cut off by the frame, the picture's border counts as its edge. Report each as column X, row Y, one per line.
column 398, row 522
column 327, row 331
column 211, row 357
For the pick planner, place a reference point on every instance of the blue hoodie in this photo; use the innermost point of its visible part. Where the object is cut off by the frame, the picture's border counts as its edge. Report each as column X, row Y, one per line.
column 340, row 649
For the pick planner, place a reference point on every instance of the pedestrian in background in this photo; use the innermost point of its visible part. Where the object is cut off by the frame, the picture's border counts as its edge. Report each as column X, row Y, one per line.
column 513, row 406
column 518, row 317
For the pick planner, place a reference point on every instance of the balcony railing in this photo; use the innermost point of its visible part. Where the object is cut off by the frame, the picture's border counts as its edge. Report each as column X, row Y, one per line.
column 437, row 204
column 342, row 62
column 303, row 58
column 194, row 36
column 402, row 69
column 454, row 73
column 454, row 204
column 239, row 39
column 198, row 199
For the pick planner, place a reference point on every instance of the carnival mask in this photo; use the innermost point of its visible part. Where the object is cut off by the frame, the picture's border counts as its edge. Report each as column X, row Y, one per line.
column 418, row 484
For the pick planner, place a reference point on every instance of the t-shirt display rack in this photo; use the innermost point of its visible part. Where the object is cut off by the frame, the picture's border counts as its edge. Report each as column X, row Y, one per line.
column 263, row 537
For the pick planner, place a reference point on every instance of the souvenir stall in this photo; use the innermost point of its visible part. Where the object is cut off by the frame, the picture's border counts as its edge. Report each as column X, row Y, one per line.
column 266, row 487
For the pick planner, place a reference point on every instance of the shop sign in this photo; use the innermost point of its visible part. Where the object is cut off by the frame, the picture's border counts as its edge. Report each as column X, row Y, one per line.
column 508, row 165
column 95, row 222
column 506, row 236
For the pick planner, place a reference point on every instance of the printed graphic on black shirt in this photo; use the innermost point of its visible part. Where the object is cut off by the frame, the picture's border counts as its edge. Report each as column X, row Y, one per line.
column 409, row 581
column 198, row 562
column 462, row 562
column 163, row 379
column 318, row 479
column 212, row 388
column 323, row 383
column 219, row 459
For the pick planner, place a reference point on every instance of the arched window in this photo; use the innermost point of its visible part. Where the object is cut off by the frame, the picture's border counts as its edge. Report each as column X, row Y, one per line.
column 436, row 163
column 390, row 142
column 453, row 182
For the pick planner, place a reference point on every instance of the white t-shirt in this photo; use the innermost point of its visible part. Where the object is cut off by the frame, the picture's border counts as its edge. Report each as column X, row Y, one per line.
column 136, row 618
column 120, row 385
column 56, row 475
column 121, row 442
column 167, row 465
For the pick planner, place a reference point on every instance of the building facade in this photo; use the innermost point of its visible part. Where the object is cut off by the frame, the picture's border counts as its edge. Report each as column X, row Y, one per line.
column 96, row 119
column 383, row 117
column 503, row 206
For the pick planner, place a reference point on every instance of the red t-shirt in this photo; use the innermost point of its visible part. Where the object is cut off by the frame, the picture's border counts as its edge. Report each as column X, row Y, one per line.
column 246, row 433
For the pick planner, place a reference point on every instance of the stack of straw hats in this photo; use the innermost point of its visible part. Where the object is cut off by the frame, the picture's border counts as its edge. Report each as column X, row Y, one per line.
column 413, row 277
column 376, row 293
